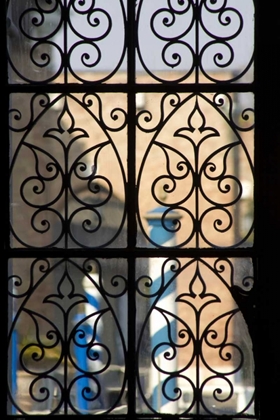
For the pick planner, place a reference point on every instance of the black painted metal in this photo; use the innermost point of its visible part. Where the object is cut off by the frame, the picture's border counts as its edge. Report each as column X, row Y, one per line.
column 186, row 46
column 194, row 171
column 75, row 213
column 78, row 248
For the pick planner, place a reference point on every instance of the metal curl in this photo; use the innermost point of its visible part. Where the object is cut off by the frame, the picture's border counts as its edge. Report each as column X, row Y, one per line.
column 177, row 57
column 15, row 284
column 219, row 58
column 173, row 99
column 46, row 58
column 176, row 224
column 85, row 56
column 115, row 115
column 224, row 17
column 183, row 167
column 174, row 265
column 93, row 353
column 220, row 265
column 176, row 390
column 147, row 118
column 45, row 225
column 88, row 393
column 143, row 286
column 38, row 187
column 44, row 393
column 35, row 21
column 96, row 22
column 87, row 224
column 218, row 223
column 16, row 114
column 92, row 264
column 168, row 19
column 47, row 8
column 217, row 393
column 82, row 3
column 180, row 6
column 39, row 352
column 221, row 177
column 167, row 354
column 246, row 114
column 119, row 283
column 248, row 282
column 37, row 183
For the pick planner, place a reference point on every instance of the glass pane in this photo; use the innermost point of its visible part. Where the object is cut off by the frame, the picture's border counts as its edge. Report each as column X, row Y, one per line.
column 195, row 41
column 67, row 338
column 195, row 169
column 194, row 349
column 66, row 41
column 67, row 174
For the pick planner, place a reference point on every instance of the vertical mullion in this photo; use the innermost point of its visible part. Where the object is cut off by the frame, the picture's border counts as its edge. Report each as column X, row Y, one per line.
column 267, row 186
column 5, row 313
column 131, row 205
column 65, row 13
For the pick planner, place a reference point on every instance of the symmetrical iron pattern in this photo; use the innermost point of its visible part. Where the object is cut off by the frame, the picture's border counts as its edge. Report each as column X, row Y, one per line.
column 67, row 38
column 66, row 192
column 67, row 355
column 71, row 38
column 131, row 223
column 197, row 168
column 201, row 353
column 197, row 38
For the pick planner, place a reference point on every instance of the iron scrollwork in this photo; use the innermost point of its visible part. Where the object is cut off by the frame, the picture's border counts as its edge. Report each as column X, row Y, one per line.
column 63, row 353
column 200, row 360
column 195, row 36
column 63, row 192
column 59, row 36
column 196, row 173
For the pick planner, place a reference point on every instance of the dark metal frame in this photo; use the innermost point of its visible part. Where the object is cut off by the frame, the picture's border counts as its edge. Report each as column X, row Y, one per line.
column 267, row 221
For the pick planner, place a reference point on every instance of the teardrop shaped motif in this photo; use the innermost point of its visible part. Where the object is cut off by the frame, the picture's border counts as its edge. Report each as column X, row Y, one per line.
column 200, row 357
column 69, row 339
column 196, row 169
column 67, row 194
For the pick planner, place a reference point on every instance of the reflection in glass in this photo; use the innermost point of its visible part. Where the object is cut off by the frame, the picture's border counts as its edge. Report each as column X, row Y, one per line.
column 65, row 42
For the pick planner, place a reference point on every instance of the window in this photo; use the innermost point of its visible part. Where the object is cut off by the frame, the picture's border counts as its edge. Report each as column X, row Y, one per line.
column 142, row 217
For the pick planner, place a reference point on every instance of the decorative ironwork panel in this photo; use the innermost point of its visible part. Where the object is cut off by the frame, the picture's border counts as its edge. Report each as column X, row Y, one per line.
column 96, row 324
column 65, row 40
column 67, row 340
column 67, row 176
column 195, row 169
column 195, row 40
column 193, row 343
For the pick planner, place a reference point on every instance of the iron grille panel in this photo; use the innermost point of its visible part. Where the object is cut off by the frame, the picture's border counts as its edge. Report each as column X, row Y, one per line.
column 131, row 188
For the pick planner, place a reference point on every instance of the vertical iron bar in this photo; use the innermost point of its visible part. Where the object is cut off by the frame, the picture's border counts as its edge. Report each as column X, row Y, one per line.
column 6, row 311
column 131, row 204
column 65, row 58
column 197, row 12
column 267, row 212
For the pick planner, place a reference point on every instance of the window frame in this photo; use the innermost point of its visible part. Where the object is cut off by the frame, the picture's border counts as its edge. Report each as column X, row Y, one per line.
column 267, row 209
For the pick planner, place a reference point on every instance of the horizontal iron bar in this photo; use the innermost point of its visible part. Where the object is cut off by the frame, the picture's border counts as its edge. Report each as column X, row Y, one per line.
column 131, row 253
column 131, row 88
